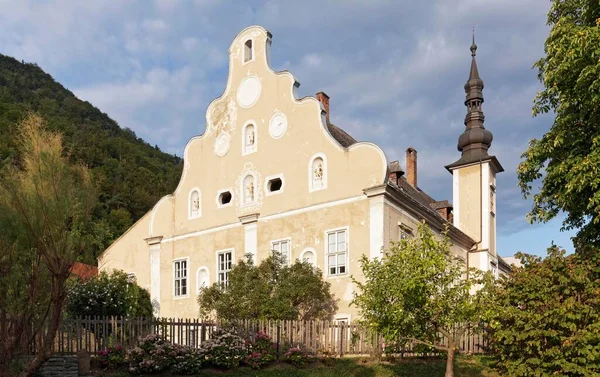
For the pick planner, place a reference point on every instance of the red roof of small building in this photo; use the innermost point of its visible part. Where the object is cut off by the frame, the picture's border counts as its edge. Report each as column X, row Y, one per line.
column 84, row 271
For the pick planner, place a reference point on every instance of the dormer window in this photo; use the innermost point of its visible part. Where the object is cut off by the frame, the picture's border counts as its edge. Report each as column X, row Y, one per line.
column 195, row 210
column 248, row 52
column 249, row 190
column 249, row 141
column 318, row 173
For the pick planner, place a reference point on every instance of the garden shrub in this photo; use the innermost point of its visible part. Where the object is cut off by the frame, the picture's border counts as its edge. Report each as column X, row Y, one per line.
column 154, row 354
column 261, row 351
column 112, row 356
column 224, row 349
column 296, row 356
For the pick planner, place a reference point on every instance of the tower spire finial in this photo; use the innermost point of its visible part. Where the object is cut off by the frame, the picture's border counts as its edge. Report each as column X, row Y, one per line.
column 473, row 45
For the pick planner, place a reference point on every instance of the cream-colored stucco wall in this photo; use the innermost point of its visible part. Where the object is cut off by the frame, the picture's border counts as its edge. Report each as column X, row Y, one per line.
column 212, row 166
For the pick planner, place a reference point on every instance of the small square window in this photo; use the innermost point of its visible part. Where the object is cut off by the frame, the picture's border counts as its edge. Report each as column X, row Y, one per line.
column 274, row 185
column 224, row 198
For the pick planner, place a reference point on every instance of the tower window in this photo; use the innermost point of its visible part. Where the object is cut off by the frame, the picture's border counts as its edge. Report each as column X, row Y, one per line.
column 274, row 185
column 225, row 198
column 248, row 50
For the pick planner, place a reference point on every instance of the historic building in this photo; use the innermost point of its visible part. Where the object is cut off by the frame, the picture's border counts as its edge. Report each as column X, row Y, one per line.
column 271, row 172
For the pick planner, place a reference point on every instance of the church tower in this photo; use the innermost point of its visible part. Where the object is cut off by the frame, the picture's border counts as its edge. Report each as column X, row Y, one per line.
column 474, row 177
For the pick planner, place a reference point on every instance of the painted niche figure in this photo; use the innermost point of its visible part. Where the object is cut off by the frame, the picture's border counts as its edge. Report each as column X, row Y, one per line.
column 250, row 192
column 251, row 138
column 319, row 172
column 196, row 204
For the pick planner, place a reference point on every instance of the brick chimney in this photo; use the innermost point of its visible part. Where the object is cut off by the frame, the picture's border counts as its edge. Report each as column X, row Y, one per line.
column 324, row 99
column 411, row 166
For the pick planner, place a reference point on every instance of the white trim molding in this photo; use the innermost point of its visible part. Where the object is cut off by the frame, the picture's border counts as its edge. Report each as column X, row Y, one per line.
column 192, row 191
column 376, row 210
column 222, row 191
column 323, row 157
column 268, row 179
column 187, row 277
column 326, row 251
column 198, row 285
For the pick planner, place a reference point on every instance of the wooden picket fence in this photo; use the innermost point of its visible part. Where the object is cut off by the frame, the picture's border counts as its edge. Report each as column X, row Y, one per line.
column 98, row 333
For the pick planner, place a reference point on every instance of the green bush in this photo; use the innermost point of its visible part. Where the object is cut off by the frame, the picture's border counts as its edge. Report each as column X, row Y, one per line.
column 545, row 318
column 224, row 349
column 109, row 294
column 112, row 357
column 261, row 351
column 296, row 356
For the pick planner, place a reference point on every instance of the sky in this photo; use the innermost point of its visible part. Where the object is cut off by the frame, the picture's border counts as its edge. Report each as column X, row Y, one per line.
column 394, row 70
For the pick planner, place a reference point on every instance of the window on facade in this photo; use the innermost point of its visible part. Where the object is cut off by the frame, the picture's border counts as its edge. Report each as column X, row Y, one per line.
column 224, row 198
column 337, row 251
column 249, row 139
column 180, row 275
column 248, row 50
column 195, row 204
column 492, row 194
column 404, row 232
column 249, row 189
column 274, row 185
column 282, row 247
column 224, row 265
column 318, row 172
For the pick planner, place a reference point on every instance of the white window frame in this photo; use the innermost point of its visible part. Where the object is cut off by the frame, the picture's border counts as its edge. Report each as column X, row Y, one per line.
column 224, row 251
column 187, row 277
column 202, row 268
column 243, row 190
column 252, row 49
column 326, row 247
column 288, row 257
column 310, row 172
column 219, row 192
column 404, row 229
column 267, row 179
column 190, row 217
column 314, row 253
column 244, row 127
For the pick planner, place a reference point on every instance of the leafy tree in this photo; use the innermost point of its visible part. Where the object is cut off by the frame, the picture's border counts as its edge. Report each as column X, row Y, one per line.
column 271, row 290
column 568, row 155
column 109, row 294
column 45, row 207
column 545, row 320
column 417, row 291
column 130, row 174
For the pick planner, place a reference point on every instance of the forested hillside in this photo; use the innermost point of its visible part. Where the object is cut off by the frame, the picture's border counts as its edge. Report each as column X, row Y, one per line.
column 131, row 174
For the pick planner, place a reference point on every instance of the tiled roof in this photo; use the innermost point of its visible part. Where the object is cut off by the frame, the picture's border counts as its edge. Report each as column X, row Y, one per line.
column 340, row 135
column 84, row 271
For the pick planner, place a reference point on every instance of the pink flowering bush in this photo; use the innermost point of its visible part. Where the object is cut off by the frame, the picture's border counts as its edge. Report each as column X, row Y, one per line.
column 112, row 356
column 296, row 356
column 224, row 349
column 261, row 351
column 154, row 355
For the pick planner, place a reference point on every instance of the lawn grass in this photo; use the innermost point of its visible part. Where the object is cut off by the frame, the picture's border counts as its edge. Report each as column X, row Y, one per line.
column 466, row 366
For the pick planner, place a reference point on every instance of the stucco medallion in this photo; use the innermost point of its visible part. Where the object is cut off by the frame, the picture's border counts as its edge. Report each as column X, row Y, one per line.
column 248, row 91
column 222, row 143
column 278, row 125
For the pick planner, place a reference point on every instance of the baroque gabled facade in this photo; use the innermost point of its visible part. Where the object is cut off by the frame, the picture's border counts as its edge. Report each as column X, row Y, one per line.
column 271, row 172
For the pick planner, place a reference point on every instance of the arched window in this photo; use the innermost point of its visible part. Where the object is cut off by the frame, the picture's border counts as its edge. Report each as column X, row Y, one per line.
column 202, row 278
column 248, row 51
column 249, row 142
column 318, row 174
column 195, row 210
column 249, row 189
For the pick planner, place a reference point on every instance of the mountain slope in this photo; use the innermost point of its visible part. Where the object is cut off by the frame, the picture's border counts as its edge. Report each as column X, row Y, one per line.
column 131, row 174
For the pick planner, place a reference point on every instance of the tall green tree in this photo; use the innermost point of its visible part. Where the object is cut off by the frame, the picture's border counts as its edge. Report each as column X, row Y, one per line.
column 567, row 157
column 45, row 209
column 271, row 290
column 545, row 319
column 417, row 291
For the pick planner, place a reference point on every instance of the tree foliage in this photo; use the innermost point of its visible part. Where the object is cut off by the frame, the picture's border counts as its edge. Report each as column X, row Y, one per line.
column 271, row 290
column 45, row 211
column 568, row 155
column 109, row 294
column 545, row 320
column 418, row 290
column 131, row 174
